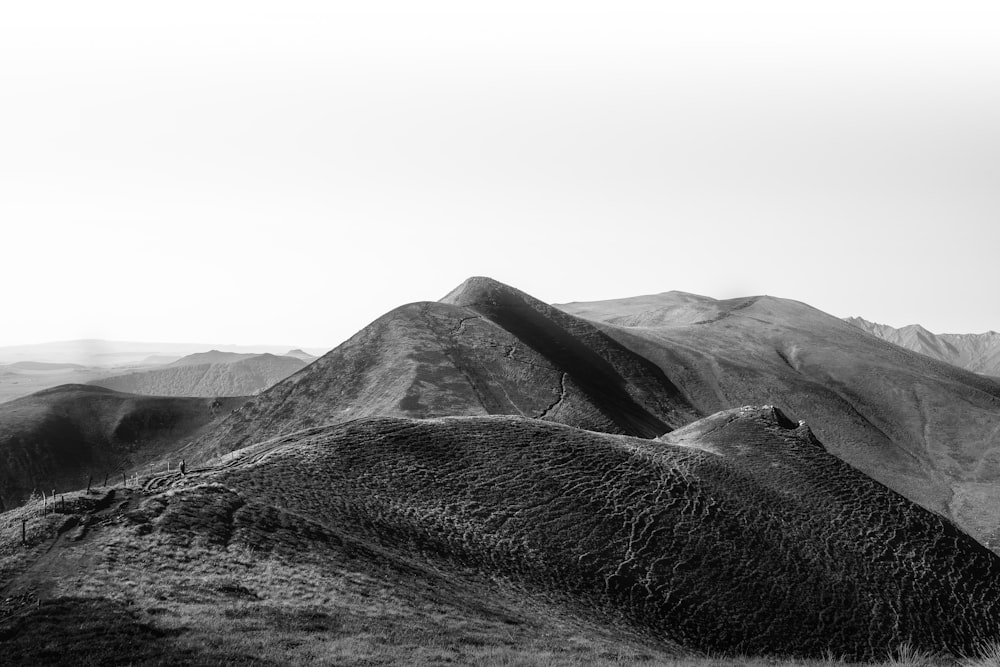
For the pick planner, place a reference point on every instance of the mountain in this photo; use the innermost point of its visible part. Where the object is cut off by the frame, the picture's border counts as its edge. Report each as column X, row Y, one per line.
column 42, row 366
column 301, row 354
column 492, row 539
column 979, row 353
column 98, row 352
column 484, row 349
column 923, row 427
column 229, row 375
column 56, row 438
column 211, row 357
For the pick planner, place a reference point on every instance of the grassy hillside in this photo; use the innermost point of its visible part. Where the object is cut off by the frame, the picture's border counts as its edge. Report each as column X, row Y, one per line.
column 486, row 349
column 501, row 540
column 924, row 427
column 56, row 438
column 228, row 374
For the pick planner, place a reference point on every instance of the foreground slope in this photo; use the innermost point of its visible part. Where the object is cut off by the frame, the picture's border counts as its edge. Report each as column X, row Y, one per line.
column 484, row 349
column 56, row 438
column 920, row 426
column 224, row 374
column 736, row 534
column 979, row 353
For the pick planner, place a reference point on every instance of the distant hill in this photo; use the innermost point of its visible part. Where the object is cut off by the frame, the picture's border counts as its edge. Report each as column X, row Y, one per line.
column 56, row 437
column 212, row 357
column 98, row 352
column 41, row 366
column 229, row 375
column 979, row 353
column 301, row 354
column 486, row 348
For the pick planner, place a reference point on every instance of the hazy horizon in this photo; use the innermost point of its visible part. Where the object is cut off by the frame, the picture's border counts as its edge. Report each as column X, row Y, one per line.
column 253, row 172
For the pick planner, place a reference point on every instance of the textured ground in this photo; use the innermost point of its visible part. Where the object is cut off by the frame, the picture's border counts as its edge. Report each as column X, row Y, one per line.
column 924, row 427
column 739, row 533
column 57, row 438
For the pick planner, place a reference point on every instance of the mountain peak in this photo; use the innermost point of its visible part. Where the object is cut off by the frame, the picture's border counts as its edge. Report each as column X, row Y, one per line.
column 478, row 289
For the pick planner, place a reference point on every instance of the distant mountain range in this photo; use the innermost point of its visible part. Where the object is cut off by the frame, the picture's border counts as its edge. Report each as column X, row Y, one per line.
column 208, row 374
column 732, row 477
column 979, row 353
column 105, row 353
column 57, row 437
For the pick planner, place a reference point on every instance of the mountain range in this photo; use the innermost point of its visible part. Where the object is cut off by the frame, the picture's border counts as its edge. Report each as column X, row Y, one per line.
column 207, row 374
column 490, row 475
column 979, row 353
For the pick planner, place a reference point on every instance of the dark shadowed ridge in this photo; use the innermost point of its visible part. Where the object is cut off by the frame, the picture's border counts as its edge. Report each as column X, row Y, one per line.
column 56, row 438
column 484, row 349
column 738, row 533
column 925, row 428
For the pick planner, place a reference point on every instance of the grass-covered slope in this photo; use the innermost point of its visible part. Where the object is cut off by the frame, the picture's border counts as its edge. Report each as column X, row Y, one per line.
column 739, row 533
column 57, row 438
column 230, row 374
column 923, row 427
column 487, row 349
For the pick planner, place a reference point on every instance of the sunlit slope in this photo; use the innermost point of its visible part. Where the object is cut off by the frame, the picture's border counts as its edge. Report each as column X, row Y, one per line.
column 226, row 374
column 738, row 533
column 485, row 349
column 57, row 438
column 923, row 427
column 979, row 353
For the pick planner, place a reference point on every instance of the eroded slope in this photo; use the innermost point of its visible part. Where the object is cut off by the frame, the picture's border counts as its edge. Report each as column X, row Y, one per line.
column 739, row 533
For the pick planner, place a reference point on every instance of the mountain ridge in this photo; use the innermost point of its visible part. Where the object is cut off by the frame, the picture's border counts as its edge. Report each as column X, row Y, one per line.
column 979, row 353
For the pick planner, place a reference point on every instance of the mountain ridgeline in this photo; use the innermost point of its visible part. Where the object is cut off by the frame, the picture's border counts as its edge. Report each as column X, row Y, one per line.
column 208, row 374
column 979, row 353
column 484, row 349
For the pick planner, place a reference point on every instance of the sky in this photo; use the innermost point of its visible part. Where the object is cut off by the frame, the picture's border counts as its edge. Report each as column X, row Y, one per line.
column 286, row 172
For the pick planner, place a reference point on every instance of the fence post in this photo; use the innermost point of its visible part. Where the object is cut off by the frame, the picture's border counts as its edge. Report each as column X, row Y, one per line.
column 124, row 481
column 24, row 539
column 90, row 480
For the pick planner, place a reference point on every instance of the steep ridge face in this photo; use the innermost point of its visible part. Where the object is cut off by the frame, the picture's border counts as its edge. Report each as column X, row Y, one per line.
column 979, row 353
column 485, row 349
column 56, row 438
column 739, row 533
column 925, row 428
column 230, row 375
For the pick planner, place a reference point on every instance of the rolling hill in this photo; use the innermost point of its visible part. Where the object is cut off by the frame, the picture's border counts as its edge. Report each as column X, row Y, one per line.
column 736, row 535
column 979, row 353
column 56, row 438
column 923, row 427
column 207, row 374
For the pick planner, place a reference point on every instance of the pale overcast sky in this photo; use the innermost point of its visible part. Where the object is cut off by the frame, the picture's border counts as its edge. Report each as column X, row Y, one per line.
column 285, row 172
